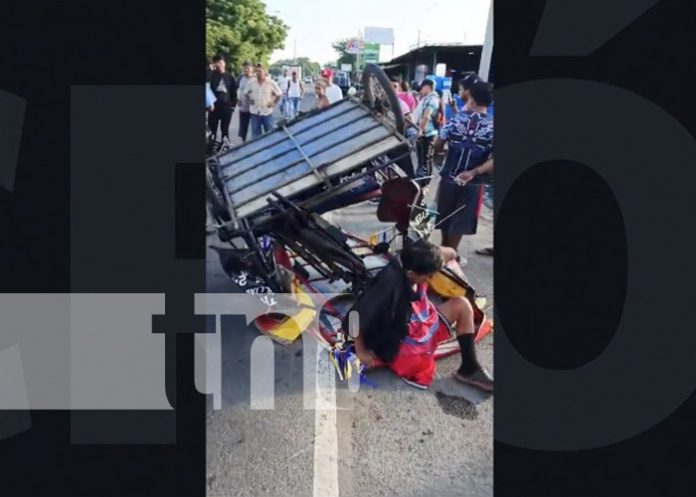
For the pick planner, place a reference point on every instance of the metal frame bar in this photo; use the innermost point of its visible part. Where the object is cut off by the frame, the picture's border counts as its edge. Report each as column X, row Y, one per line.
column 336, row 268
column 228, row 200
column 319, row 176
column 278, row 187
column 308, row 204
column 358, row 105
column 317, row 137
column 241, row 187
column 300, row 119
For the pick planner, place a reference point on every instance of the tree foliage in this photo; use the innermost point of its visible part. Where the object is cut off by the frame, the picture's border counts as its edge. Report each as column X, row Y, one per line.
column 309, row 68
column 343, row 56
column 242, row 30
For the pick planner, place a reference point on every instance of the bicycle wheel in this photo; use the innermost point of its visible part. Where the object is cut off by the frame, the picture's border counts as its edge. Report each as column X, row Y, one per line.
column 380, row 96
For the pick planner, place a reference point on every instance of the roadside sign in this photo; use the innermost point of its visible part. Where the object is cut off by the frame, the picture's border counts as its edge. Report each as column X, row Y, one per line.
column 371, row 53
column 355, row 45
column 382, row 36
column 346, row 67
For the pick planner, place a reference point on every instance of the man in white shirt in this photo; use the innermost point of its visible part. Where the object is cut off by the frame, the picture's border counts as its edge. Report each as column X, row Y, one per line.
column 242, row 102
column 283, row 84
column 263, row 94
column 294, row 95
column 333, row 92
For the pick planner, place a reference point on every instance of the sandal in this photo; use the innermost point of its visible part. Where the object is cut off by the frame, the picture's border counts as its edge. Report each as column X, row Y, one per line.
column 485, row 251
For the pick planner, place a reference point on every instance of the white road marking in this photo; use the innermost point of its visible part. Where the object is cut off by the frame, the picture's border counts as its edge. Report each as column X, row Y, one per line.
column 208, row 364
column 13, row 388
column 262, row 357
column 325, row 428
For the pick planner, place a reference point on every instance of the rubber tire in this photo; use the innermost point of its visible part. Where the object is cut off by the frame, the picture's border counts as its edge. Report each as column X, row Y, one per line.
column 385, row 83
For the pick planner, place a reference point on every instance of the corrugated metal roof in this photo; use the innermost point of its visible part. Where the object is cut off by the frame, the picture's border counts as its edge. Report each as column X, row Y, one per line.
column 431, row 47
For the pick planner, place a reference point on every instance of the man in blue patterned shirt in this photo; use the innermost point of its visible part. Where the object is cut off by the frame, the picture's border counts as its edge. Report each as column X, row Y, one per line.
column 467, row 167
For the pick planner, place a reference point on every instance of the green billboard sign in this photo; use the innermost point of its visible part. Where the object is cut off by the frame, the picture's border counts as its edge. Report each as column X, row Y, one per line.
column 371, row 53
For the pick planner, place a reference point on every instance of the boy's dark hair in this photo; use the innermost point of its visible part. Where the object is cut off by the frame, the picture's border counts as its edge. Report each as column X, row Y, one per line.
column 428, row 82
column 421, row 257
column 468, row 80
column 218, row 57
column 481, row 92
column 394, row 79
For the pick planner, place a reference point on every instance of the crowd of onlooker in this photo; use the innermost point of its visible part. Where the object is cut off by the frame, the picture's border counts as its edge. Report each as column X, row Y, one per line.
column 256, row 96
column 458, row 125
column 254, row 93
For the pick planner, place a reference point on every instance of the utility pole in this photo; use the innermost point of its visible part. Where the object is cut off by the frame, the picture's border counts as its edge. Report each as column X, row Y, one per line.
column 418, row 44
column 487, row 50
column 294, row 51
column 357, row 55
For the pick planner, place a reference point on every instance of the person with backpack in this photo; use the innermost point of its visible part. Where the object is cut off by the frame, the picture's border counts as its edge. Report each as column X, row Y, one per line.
column 294, row 93
column 428, row 116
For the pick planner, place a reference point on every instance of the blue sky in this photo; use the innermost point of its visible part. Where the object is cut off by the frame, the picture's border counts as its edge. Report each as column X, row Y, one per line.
column 315, row 24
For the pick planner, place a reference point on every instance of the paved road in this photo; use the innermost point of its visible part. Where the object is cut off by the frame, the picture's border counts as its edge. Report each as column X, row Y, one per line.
column 391, row 440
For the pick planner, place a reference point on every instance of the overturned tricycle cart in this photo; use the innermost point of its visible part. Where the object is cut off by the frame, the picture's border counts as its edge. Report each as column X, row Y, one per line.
column 267, row 198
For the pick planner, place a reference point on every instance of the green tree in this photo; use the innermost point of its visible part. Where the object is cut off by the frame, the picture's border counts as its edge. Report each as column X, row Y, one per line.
column 343, row 56
column 242, row 30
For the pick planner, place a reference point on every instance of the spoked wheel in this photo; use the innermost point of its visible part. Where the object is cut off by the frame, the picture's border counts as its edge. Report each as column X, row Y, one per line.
column 380, row 96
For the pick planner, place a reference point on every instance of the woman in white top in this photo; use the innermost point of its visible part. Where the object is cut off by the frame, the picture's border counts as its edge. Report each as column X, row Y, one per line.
column 295, row 92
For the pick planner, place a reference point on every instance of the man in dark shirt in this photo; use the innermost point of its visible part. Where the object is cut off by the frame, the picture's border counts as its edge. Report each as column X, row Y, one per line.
column 467, row 167
column 224, row 86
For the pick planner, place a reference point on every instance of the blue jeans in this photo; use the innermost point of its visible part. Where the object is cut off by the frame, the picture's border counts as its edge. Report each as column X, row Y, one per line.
column 258, row 122
column 295, row 105
column 488, row 196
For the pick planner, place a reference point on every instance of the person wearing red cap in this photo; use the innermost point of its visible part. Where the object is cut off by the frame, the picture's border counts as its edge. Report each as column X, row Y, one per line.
column 333, row 92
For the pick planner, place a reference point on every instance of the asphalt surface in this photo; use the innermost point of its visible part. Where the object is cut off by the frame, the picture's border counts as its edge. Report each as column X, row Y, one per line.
column 392, row 440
